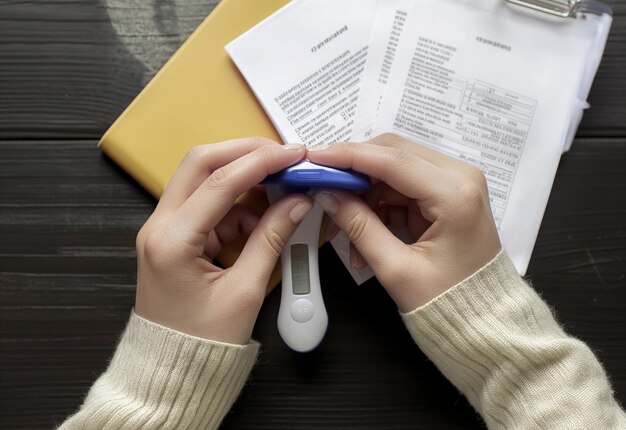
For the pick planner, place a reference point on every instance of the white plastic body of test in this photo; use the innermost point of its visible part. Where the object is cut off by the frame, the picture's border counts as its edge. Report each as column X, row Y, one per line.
column 306, row 334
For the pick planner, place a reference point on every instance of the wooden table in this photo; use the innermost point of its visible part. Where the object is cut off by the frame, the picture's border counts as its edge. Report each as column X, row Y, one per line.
column 68, row 219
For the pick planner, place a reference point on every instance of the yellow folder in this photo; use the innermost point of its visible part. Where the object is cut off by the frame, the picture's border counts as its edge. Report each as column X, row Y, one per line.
column 198, row 97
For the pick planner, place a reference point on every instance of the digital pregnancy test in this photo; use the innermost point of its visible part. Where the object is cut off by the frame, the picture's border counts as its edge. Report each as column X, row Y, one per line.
column 302, row 318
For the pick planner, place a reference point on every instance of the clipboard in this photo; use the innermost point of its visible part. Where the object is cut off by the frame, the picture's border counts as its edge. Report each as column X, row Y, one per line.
column 577, row 9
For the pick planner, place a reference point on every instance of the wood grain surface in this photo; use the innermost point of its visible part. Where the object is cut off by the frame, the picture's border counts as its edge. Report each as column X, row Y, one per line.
column 68, row 219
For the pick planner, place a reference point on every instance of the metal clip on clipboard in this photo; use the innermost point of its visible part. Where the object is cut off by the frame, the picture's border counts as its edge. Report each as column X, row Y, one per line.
column 565, row 8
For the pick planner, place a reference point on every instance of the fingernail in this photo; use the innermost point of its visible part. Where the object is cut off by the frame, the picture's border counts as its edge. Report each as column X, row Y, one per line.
column 328, row 201
column 299, row 211
column 318, row 148
column 293, row 146
column 356, row 260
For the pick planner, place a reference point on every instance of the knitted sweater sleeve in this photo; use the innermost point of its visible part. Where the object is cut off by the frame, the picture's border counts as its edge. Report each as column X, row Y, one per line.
column 161, row 378
column 495, row 339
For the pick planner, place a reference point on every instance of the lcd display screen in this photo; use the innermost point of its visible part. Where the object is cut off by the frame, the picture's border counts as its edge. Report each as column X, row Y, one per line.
column 300, row 268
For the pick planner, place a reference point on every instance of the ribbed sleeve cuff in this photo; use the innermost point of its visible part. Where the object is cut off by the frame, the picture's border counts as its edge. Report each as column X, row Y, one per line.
column 161, row 378
column 495, row 339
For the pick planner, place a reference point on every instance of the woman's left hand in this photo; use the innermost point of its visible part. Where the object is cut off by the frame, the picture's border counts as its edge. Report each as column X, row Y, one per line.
column 178, row 285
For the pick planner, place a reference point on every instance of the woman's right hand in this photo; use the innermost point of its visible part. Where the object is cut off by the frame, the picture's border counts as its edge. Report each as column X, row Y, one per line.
column 443, row 203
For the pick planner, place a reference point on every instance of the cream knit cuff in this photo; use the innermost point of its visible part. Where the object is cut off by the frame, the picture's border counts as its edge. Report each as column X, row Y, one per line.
column 495, row 339
column 162, row 378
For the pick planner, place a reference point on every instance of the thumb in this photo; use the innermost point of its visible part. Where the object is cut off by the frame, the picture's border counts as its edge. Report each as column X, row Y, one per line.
column 267, row 240
column 378, row 246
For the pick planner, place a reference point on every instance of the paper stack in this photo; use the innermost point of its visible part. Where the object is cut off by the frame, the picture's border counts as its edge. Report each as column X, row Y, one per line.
column 482, row 81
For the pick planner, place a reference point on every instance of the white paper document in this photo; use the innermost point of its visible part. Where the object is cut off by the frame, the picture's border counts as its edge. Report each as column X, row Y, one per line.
column 389, row 24
column 481, row 81
column 304, row 62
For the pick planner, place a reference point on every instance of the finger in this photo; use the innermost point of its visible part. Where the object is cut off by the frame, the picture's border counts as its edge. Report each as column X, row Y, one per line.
column 408, row 173
column 199, row 163
column 432, row 155
column 265, row 244
column 372, row 199
column 208, row 204
column 376, row 244
column 391, row 140
column 240, row 220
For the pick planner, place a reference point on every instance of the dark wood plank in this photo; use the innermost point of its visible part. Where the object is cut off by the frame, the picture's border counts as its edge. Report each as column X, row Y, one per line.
column 69, row 68
column 68, row 218
column 607, row 115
